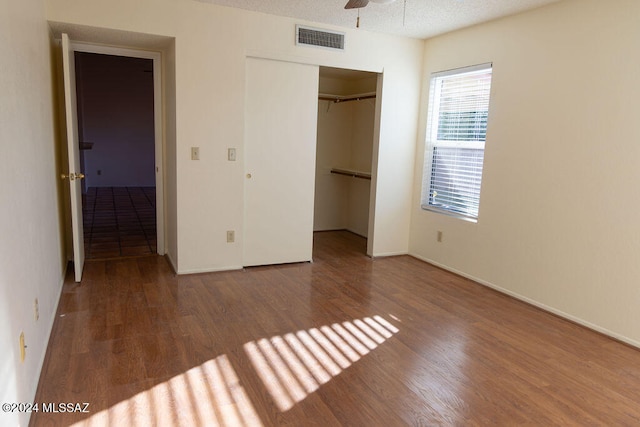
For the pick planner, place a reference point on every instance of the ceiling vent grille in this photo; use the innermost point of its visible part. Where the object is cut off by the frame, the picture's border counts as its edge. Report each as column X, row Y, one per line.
column 308, row 36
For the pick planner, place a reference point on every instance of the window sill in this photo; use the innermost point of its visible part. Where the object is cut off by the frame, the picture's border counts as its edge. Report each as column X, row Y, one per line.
column 449, row 213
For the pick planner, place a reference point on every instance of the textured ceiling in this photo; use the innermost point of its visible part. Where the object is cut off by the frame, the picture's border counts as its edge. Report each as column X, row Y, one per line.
column 423, row 18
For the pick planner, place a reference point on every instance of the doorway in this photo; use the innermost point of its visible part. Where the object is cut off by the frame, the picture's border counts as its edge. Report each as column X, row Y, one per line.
column 117, row 136
column 344, row 157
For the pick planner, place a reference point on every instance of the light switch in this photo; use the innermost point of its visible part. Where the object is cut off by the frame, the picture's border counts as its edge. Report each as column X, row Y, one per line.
column 231, row 154
column 195, row 153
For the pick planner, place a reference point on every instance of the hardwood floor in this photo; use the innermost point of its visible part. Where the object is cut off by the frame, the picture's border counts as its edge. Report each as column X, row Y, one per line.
column 345, row 340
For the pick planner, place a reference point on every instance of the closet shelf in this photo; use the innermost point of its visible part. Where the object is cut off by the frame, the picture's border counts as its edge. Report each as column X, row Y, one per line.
column 339, row 98
column 351, row 173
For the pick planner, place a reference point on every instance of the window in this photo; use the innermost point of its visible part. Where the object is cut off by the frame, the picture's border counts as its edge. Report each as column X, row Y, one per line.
column 456, row 134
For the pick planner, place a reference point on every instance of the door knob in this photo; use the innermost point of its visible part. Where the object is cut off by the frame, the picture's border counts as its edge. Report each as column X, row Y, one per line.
column 248, row 176
column 79, row 176
column 64, row 176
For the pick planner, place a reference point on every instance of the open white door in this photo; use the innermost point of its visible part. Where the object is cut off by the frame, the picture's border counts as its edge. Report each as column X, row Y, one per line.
column 73, row 147
column 280, row 156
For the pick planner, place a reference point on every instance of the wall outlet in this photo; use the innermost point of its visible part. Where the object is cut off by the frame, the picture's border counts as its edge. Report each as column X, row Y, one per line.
column 23, row 347
column 36, row 310
column 195, row 153
column 231, row 154
column 99, row 172
column 439, row 236
column 231, row 236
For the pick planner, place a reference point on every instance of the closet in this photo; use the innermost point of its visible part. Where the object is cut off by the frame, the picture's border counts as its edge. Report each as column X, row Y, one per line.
column 346, row 117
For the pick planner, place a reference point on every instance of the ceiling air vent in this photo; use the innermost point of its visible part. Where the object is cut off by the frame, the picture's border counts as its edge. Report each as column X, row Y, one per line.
column 322, row 38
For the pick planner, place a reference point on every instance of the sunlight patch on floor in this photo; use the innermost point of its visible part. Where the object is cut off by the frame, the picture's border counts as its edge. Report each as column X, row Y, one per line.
column 206, row 395
column 295, row 365
column 291, row 367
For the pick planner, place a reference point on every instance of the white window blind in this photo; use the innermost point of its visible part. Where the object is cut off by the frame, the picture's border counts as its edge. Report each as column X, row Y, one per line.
column 456, row 135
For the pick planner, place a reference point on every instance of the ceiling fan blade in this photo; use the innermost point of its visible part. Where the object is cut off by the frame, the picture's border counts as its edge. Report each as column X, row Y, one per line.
column 356, row 4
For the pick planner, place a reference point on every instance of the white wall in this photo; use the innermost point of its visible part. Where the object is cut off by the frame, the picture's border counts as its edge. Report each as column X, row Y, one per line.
column 31, row 255
column 558, row 222
column 358, row 200
column 211, row 46
column 331, row 207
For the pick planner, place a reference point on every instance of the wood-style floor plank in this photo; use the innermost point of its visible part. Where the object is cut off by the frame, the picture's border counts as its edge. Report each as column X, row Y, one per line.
column 344, row 340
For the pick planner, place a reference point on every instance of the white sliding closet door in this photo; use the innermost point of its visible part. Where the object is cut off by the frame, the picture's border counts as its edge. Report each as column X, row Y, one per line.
column 280, row 151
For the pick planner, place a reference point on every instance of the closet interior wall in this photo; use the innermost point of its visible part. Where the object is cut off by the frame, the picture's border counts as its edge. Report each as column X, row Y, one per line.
column 345, row 141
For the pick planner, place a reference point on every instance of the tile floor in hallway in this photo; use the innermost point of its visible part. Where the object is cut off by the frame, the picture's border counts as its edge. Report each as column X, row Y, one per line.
column 119, row 221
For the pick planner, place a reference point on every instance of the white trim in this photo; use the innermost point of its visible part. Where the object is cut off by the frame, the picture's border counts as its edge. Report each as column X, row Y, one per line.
column 463, row 70
column 308, row 60
column 157, row 120
column 534, row 303
column 388, row 254
column 375, row 163
column 112, row 50
column 457, row 174
column 172, row 263
column 452, row 214
column 211, row 270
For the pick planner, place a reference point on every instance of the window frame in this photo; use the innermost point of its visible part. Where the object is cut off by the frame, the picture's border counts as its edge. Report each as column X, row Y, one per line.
column 431, row 140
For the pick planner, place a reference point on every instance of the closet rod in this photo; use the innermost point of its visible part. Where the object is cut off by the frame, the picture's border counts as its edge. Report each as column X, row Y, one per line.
column 353, row 174
column 337, row 98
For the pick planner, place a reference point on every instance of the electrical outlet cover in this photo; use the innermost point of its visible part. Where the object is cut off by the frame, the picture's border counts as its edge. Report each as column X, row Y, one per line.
column 23, row 348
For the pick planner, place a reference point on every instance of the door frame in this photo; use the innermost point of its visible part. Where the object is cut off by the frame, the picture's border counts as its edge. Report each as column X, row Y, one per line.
column 158, row 124
column 375, row 147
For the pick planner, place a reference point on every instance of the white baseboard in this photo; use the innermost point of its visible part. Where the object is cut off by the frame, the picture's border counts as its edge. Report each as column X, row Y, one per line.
column 172, row 263
column 534, row 303
column 210, row 270
column 388, row 254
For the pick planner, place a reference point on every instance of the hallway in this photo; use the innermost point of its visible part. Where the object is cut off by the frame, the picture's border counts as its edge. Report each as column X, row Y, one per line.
column 119, row 222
